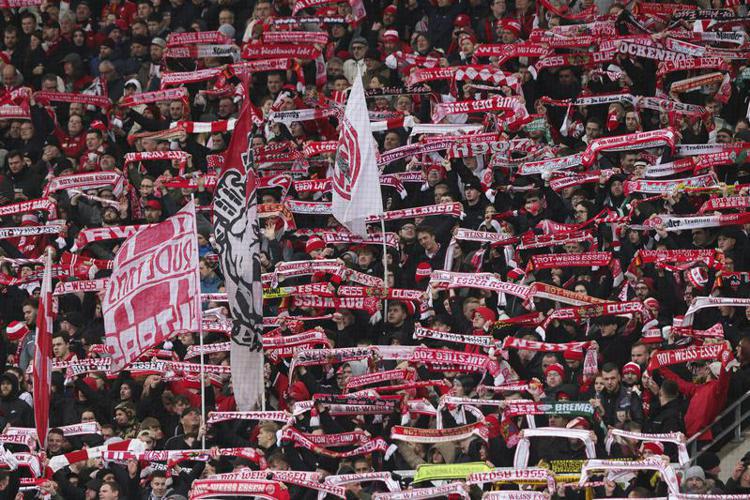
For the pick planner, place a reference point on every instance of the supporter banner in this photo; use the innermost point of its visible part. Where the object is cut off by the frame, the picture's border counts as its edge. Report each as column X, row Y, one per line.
column 84, row 182
column 450, row 490
column 279, row 50
column 657, row 187
column 671, row 168
column 16, row 232
column 569, row 408
column 303, row 37
column 309, row 480
column 506, row 104
column 379, row 378
column 369, row 305
column 90, row 100
column 629, row 142
column 690, row 354
column 157, row 268
column 486, row 281
column 185, row 77
column 677, row 438
column 731, row 202
column 211, row 488
column 421, row 332
column 38, row 205
column 177, row 94
column 222, row 416
column 715, row 332
column 675, row 223
column 300, row 440
column 199, row 37
column 450, row 209
column 431, row 436
column 202, row 51
column 554, row 239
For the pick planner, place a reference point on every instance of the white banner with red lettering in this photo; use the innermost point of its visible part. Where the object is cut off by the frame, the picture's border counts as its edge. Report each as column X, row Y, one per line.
column 153, row 292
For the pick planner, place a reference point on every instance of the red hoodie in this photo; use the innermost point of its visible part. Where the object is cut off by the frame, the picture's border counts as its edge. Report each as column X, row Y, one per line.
column 706, row 400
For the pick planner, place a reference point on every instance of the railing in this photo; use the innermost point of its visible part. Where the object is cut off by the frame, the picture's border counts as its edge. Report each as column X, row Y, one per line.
column 735, row 427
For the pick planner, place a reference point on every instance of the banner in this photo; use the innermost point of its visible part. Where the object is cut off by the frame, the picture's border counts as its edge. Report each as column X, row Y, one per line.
column 238, row 239
column 154, row 289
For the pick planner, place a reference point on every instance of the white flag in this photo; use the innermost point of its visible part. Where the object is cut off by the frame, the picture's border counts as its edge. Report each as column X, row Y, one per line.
column 356, row 179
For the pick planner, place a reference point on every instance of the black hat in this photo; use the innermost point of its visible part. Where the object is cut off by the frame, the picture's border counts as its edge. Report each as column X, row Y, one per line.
column 708, row 461
column 51, row 140
column 74, row 318
column 474, row 184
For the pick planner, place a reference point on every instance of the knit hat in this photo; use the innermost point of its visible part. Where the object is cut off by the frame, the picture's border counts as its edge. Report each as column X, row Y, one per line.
column 651, row 302
column 424, row 270
column 314, row 243
column 390, row 36
column 390, row 9
column 16, row 330
column 708, row 461
column 555, row 367
column 631, row 368
column 693, row 473
column 654, row 447
column 511, row 25
column 573, row 355
column 462, row 20
column 486, row 313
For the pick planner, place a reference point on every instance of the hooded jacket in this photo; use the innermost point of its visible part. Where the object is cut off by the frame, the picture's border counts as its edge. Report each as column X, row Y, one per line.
column 17, row 412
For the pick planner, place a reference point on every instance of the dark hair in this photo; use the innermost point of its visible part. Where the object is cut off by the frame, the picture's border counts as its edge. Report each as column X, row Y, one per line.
column 62, row 335
column 56, row 430
column 15, row 153
column 608, row 367
column 113, row 485
column 670, row 389
column 426, row 229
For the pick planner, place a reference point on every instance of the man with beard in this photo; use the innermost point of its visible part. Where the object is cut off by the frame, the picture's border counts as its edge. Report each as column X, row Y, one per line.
column 616, row 398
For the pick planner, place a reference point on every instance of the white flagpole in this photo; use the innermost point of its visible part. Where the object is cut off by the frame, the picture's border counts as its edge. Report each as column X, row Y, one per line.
column 385, row 266
column 200, row 328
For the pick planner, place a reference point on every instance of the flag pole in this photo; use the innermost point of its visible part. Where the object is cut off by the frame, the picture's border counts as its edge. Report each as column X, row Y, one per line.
column 199, row 311
column 385, row 266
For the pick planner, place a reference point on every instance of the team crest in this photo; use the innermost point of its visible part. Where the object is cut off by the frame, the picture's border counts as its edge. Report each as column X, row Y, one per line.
column 348, row 161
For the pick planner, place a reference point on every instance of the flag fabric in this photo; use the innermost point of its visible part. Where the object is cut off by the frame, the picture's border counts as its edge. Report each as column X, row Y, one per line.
column 356, row 179
column 154, row 291
column 237, row 235
column 42, row 355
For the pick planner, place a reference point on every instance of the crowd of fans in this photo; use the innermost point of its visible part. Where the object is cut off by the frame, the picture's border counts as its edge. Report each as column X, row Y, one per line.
column 512, row 217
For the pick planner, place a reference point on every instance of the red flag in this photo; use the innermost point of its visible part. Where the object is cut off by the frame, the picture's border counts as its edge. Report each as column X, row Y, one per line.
column 154, row 289
column 42, row 360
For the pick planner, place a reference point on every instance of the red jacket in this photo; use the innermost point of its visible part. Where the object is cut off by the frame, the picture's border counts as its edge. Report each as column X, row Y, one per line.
column 706, row 400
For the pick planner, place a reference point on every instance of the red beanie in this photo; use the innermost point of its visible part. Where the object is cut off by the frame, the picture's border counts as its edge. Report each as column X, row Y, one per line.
column 424, row 270
column 631, row 368
column 654, row 447
column 487, row 313
column 555, row 367
column 313, row 244
column 462, row 20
